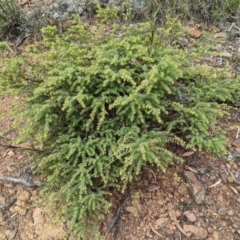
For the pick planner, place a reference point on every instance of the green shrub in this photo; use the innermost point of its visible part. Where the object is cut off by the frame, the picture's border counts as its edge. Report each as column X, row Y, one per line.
column 102, row 104
column 12, row 19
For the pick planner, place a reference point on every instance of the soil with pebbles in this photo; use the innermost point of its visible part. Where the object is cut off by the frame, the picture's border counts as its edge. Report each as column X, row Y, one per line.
column 162, row 206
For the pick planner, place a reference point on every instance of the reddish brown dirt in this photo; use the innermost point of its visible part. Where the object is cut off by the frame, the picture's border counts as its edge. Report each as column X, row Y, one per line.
column 161, row 206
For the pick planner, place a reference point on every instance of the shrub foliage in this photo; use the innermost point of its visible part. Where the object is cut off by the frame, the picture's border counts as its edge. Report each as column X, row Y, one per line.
column 104, row 103
column 12, row 19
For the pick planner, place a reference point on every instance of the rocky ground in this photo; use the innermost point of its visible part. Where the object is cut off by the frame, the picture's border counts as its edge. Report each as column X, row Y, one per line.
column 197, row 200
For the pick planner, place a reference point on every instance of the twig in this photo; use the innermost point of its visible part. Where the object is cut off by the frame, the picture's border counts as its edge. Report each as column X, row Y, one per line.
column 22, row 181
column 116, row 217
column 230, row 28
column 234, row 179
column 155, row 231
column 12, row 146
column 173, row 217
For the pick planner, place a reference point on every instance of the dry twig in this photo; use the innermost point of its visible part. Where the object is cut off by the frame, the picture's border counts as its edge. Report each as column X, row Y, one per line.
column 25, row 182
column 155, row 231
column 115, row 219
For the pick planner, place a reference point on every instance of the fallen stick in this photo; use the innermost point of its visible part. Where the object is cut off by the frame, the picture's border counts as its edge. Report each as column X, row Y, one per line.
column 173, row 217
column 155, row 231
column 115, row 219
column 25, row 182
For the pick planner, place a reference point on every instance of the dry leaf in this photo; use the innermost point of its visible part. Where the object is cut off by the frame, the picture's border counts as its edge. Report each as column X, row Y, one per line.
column 215, row 184
column 152, row 188
column 187, row 154
column 193, row 32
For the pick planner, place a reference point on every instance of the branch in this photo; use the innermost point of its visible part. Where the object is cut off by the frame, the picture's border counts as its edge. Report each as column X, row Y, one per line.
column 13, row 146
column 25, row 182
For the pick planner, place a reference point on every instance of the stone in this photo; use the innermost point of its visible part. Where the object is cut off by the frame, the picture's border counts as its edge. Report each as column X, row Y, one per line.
column 160, row 223
column 11, row 234
column 182, row 189
column 190, row 216
column 230, row 212
column 131, row 209
column 196, row 187
column 222, row 211
column 24, row 196
column 216, row 236
column 21, row 211
column 198, row 232
column 38, row 216
column 2, row 236
column 230, row 179
column 170, row 206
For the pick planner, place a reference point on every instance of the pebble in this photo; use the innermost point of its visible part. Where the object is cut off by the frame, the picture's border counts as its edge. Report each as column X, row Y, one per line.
column 24, row 196
column 182, row 189
column 222, row 211
column 11, row 234
column 230, row 212
column 160, row 223
column 198, row 232
column 230, row 179
column 170, row 206
column 190, row 216
column 2, row 236
column 196, row 187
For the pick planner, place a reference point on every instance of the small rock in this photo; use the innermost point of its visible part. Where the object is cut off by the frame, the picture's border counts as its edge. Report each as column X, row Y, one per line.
column 182, row 189
column 38, row 217
column 197, row 188
column 222, row 211
column 131, row 209
column 11, row 234
column 24, row 196
column 220, row 198
column 21, row 203
column 198, row 232
column 230, row 179
column 190, row 216
column 161, row 222
column 216, row 236
column 230, row 212
column 2, row 200
column 2, row 236
column 21, row 211
column 170, row 206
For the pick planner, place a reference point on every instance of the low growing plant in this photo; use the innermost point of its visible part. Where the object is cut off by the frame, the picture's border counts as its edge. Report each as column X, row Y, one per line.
column 103, row 104
column 12, row 19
